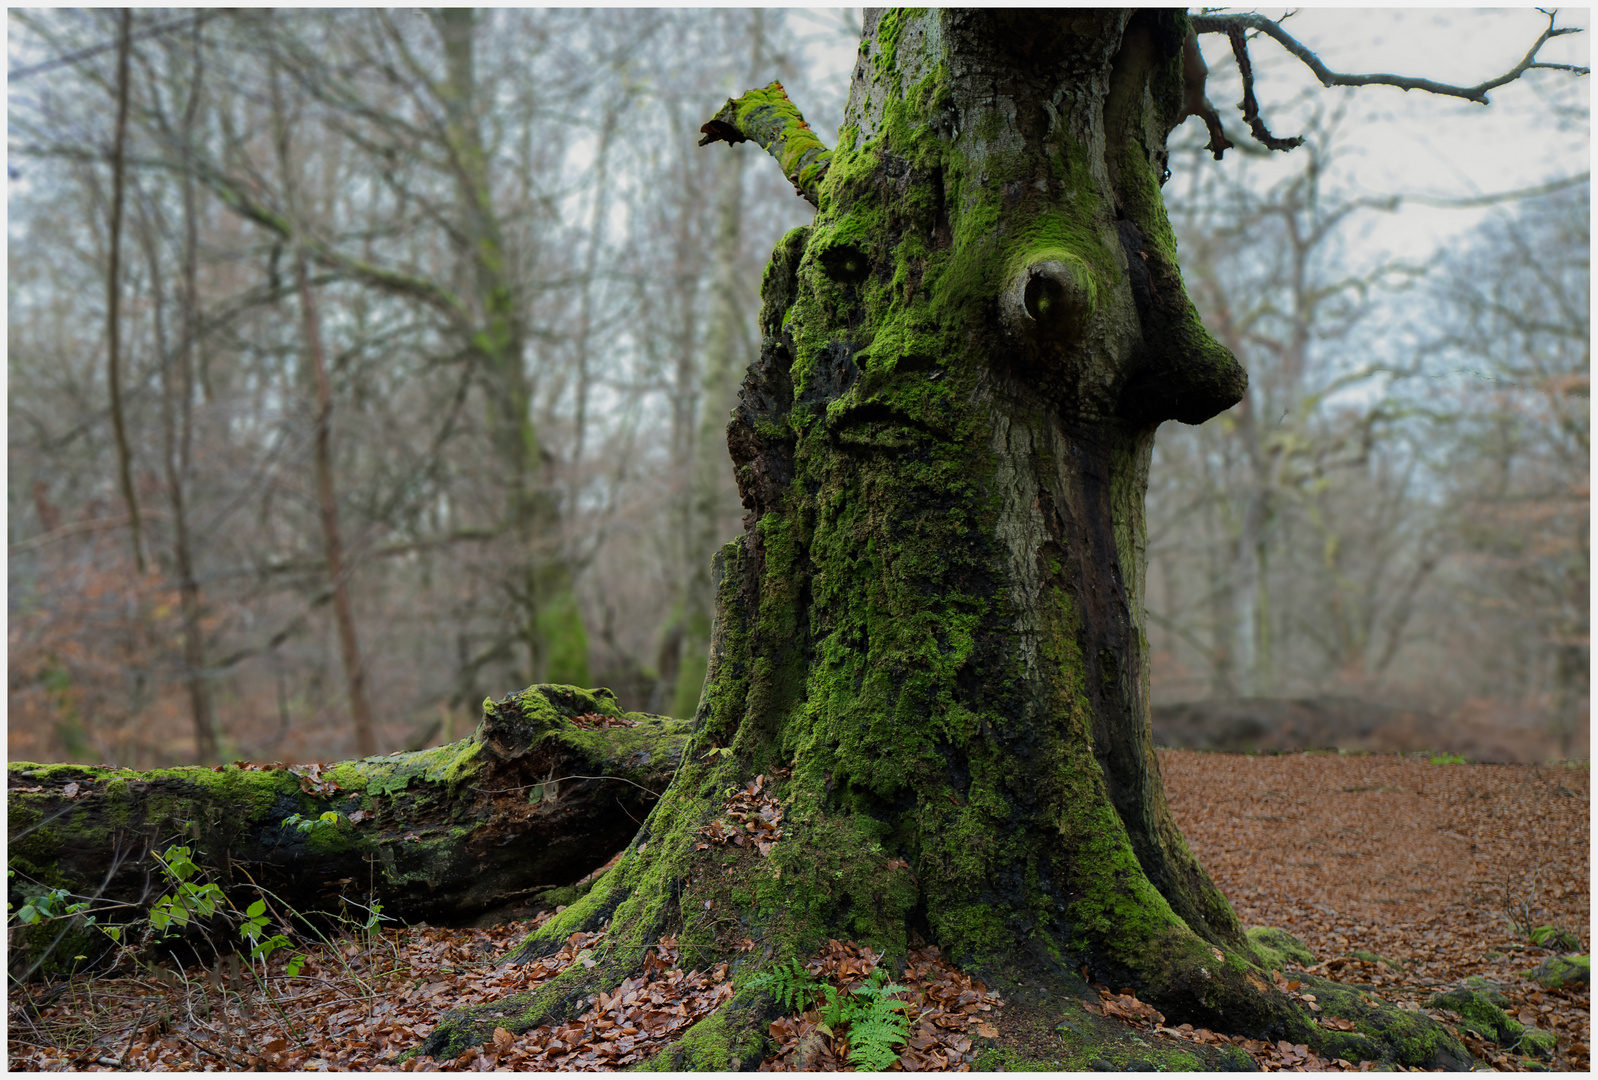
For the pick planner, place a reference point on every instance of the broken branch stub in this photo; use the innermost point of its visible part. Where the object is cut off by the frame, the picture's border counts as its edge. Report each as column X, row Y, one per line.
column 766, row 117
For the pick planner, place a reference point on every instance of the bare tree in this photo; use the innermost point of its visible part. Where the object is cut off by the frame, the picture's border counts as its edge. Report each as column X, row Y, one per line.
column 1512, row 352
column 113, row 323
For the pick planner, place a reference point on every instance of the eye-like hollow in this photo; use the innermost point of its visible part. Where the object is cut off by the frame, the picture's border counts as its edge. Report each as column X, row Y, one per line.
column 845, row 263
column 1047, row 300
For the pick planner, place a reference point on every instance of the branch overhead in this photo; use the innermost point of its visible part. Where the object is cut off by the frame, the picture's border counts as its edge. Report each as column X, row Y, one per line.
column 1236, row 26
column 767, row 117
column 1226, row 24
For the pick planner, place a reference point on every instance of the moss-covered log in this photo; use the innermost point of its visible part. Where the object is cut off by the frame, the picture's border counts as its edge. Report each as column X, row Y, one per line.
column 552, row 783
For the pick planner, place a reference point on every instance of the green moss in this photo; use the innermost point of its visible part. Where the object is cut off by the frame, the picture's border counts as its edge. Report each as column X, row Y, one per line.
column 1479, row 1014
column 1557, row 971
column 1277, row 948
column 724, row 1041
column 1382, row 1033
column 449, row 764
column 1007, row 1060
column 889, row 26
column 1180, row 1061
column 767, row 117
column 1537, row 1043
column 1238, row 1059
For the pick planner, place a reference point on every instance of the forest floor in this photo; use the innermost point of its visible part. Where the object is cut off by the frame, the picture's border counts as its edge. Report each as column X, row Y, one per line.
column 1426, row 868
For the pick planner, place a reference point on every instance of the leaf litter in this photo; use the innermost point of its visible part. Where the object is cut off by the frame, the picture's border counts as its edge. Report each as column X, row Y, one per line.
column 1435, row 872
column 1430, row 873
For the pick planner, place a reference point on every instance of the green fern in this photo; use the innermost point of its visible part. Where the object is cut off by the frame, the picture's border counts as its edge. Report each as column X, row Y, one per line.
column 874, row 1020
column 873, row 1044
column 789, row 983
column 878, row 1024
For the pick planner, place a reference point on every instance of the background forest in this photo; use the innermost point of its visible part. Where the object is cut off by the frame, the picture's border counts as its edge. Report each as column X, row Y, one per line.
column 363, row 364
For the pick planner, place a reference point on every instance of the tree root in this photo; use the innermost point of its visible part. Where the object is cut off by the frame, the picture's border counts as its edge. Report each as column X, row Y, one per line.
column 1048, row 1021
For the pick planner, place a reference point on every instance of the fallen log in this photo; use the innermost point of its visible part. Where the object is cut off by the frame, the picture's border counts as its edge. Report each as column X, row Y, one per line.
column 553, row 781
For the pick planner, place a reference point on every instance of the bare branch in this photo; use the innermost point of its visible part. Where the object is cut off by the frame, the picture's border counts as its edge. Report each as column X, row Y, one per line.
column 187, row 22
column 1235, row 24
column 1250, row 107
column 1494, row 199
column 1194, row 100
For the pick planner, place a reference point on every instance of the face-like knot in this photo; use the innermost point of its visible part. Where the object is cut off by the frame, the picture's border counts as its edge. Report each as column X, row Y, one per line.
column 1047, row 302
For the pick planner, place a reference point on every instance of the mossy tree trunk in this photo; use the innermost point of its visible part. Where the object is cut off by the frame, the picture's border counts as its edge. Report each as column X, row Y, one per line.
column 552, row 783
column 930, row 635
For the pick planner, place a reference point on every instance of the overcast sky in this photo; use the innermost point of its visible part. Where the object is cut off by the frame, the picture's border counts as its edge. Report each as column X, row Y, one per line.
column 1397, row 143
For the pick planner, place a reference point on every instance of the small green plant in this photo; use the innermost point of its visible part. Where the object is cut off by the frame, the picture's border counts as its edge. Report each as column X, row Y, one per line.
column 372, row 927
column 1446, row 758
column 253, row 931
column 789, row 983
column 188, row 899
column 876, row 1023
column 328, row 819
column 50, row 905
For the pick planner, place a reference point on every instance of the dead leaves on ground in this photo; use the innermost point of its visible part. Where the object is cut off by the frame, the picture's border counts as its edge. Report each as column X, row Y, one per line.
column 628, row 1024
column 751, row 818
column 1395, row 856
column 594, row 721
column 946, row 1008
column 1345, row 873
column 1280, row 1056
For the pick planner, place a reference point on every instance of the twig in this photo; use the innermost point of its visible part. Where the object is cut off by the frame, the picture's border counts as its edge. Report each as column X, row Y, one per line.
column 1228, row 24
column 1250, row 107
column 1498, row 197
column 558, row 779
column 133, row 1033
column 215, row 1051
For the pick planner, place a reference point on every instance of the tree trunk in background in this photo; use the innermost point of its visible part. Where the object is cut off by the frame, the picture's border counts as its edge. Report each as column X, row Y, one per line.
column 322, row 439
column 179, row 398
column 551, row 626
column 928, row 642
column 428, row 834
column 113, row 299
column 176, row 429
column 327, row 504
column 724, row 348
column 685, row 348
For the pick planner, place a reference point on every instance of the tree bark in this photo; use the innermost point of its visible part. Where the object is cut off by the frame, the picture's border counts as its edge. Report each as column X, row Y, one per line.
column 113, row 300
column 327, row 503
column 535, row 798
column 929, row 640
